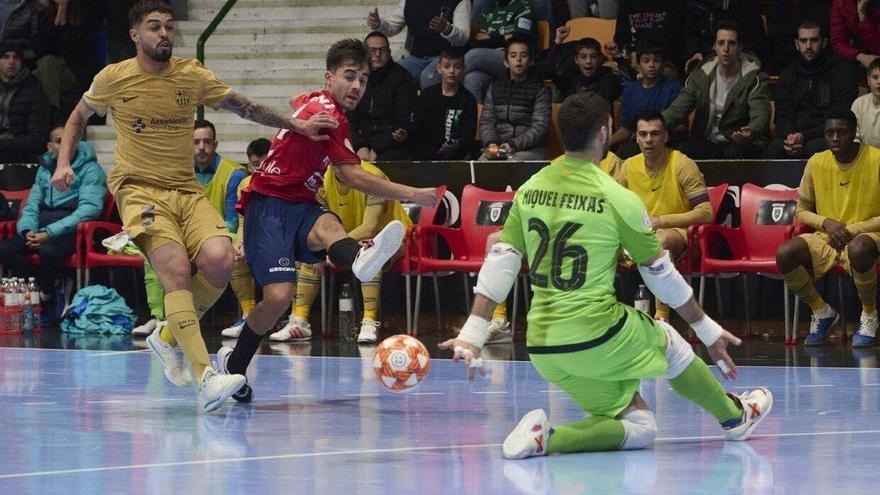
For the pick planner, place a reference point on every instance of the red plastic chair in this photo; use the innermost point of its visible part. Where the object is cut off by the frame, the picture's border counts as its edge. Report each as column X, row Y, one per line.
column 7, row 227
column 753, row 244
column 466, row 243
column 404, row 265
column 95, row 257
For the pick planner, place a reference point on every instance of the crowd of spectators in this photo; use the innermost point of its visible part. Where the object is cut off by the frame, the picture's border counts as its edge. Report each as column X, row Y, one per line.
column 734, row 79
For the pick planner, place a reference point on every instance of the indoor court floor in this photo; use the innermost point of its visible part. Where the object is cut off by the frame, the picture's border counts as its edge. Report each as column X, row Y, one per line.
column 107, row 421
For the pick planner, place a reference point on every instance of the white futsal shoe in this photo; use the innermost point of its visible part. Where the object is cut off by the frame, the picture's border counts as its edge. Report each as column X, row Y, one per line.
column 173, row 361
column 756, row 405
column 373, row 256
column 216, row 388
column 529, row 438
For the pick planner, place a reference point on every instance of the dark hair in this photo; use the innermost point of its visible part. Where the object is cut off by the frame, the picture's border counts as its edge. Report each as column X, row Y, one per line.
column 810, row 24
column 376, row 34
column 11, row 46
column 650, row 115
column 844, row 114
column 516, row 38
column 258, row 147
column 204, row 124
column 347, row 51
column 649, row 47
column 580, row 117
column 59, row 125
column 453, row 53
column 588, row 43
column 874, row 65
column 729, row 25
column 137, row 11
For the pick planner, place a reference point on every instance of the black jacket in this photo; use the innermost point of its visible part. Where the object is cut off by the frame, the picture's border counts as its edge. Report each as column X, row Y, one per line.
column 387, row 105
column 440, row 118
column 806, row 93
column 701, row 18
column 25, row 25
column 655, row 20
column 24, row 118
column 559, row 66
column 516, row 112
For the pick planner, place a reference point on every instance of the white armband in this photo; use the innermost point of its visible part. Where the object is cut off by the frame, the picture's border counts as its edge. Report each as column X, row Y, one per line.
column 474, row 331
column 664, row 281
column 498, row 272
column 708, row 331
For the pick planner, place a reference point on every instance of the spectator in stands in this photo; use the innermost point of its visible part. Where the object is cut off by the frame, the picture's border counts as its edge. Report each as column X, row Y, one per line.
column 808, row 89
column 651, row 91
column 516, row 109
column 639, row 19
column 22, row 22
column 867, row 108
column 731, row 97
column 24, row 109
column 782, row 26
column 446, row 116
column 47, row 225
column 68, row 60
column 701, row 18
column 587, row 73
column 684, row 201
column 382, row 123
column 432, row 26
column 485, row 61
column 606, row 9
column 855, row 30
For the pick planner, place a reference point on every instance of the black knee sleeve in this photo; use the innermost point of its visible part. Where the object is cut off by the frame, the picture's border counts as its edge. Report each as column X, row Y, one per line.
column 343, row 252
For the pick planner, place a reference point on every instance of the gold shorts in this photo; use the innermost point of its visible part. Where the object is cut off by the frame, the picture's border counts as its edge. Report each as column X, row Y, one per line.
column 154, row 216
column 824, row 256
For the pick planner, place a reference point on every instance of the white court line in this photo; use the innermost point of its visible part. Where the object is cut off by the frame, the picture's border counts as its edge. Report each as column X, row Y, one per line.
column 297, row 396
column 383, row 451
column 38, row 403
column 871, row 384
column 169, row 399
column 490, row 392
column 553, row 391
column 816, row 385
column 363, row 395
column 115, row 353
column 427, row 393
column 111, row 401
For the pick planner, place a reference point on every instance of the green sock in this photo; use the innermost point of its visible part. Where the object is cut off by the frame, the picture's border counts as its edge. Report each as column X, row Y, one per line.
column 698, row 385
column 592, row 434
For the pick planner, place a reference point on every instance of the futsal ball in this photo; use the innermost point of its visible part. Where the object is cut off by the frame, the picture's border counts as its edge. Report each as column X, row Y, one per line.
column 400, row 362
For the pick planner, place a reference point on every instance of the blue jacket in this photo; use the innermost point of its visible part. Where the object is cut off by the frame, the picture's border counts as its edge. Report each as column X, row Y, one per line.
column 87, row 192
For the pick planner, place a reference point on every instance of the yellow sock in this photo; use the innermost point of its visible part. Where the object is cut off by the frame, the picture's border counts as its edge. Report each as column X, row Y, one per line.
column 242, row 284
column 370, row 293
column 184, row 325
column 661, row 310
column 500, row 312
column 866, row 286
column 308, row 283
column 166, row 336
column 204, row 294
column 798, row 280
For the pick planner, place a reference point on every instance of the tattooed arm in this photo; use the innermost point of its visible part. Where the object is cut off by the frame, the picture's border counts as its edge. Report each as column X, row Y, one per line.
column 240, row 105
column 74, row 130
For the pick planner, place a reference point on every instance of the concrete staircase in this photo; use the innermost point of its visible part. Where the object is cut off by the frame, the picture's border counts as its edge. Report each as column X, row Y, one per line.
column 265, row 49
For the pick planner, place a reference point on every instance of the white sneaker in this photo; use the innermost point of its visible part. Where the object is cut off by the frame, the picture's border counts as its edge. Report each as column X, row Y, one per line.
column 756, row 404
column 529, row 438
column 145, row 329
column 369, row 330
column 297, row 329
column 234, row 330
column 373, row 256
column 499, row 332
column 216, row 388
column 245, row 393
column 173, row 360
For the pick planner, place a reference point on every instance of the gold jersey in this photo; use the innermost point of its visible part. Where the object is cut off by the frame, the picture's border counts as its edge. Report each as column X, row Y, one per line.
column 677, row 188
column 349, row 203
column 153, row 115
column 848, row 193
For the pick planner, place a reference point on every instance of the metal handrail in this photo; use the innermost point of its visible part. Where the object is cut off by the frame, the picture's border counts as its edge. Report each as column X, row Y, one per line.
column 200, row 44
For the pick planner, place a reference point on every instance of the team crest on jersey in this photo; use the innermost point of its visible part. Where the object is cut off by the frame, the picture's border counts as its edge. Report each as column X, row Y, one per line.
column 181, row 97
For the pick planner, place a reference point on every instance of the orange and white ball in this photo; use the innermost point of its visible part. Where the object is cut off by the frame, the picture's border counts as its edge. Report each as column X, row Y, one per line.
column 401, row 362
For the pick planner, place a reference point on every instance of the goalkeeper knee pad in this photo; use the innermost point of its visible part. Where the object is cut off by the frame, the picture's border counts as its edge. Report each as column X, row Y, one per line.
column 640, row 429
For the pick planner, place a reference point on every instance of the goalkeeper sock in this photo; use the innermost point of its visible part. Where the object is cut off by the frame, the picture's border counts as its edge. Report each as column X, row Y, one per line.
column 592, row 434
column 698, row 385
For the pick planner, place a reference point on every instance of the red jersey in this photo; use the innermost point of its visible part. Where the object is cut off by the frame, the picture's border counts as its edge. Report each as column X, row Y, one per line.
column 294, row 168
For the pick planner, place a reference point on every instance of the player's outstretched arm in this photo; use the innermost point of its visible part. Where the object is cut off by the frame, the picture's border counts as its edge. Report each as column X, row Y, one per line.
column 470, row 340
column 664, row 281
column 242, row 106
column 73, row 131
column 362, row 180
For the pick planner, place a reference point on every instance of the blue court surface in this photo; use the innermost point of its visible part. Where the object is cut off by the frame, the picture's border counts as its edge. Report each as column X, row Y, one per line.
column 76, row 421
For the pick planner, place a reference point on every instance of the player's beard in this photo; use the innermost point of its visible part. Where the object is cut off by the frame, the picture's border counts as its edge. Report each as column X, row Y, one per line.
column 153, row 53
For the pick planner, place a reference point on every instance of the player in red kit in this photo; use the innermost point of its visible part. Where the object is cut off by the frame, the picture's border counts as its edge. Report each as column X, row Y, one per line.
column 283, row 222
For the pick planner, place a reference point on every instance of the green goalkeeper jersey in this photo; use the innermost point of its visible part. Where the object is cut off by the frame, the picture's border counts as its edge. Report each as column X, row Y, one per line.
column 571, row 220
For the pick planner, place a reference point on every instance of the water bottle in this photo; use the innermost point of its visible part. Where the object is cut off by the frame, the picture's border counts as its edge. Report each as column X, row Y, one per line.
column 642, row 300
column 34, row 292
column 346, row 314
column 27, row 311
column 14, row 314
column 4, row 320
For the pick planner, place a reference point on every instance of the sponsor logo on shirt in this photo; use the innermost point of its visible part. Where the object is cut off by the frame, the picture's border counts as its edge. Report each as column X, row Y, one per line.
column 138, row 126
